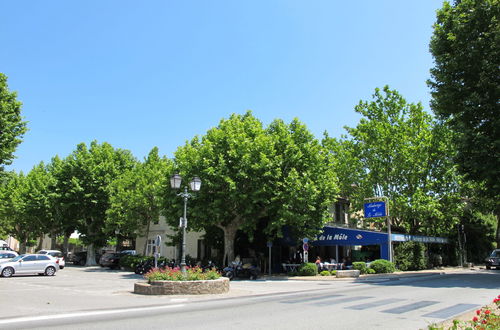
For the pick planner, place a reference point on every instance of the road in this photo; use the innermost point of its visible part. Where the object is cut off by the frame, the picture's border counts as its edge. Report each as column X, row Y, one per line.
column 63, row 302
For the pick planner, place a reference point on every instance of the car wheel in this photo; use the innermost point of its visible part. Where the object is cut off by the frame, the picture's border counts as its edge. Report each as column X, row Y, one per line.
column 50, row 271
column 61, row 267
column 488, row 267
column 7, row 272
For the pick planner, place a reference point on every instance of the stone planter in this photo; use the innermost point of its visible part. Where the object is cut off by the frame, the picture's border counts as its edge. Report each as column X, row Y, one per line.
column 220, row 285
column 348, row 273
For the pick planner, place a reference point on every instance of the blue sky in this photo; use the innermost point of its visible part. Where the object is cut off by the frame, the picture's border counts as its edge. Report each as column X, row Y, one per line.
column 157, row 73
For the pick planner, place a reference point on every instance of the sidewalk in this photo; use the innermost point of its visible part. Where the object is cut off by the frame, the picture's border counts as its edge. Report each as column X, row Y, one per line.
column 395, row 275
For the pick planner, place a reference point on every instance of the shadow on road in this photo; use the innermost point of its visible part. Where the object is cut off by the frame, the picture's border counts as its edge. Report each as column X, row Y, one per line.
column 476, row 280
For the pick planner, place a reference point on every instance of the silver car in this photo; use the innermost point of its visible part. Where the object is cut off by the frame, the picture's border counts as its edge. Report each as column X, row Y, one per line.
column 40, row 264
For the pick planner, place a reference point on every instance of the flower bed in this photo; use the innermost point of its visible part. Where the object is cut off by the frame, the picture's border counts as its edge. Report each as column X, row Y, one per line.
column 171, row 281
column 486, row 318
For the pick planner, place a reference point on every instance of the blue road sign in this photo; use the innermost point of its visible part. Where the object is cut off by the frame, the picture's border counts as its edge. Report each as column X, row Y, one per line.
column 375, row 210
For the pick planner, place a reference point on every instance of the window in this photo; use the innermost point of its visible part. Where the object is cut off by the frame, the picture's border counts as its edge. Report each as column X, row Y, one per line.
column 29, row 258
column 150, row 249
column 43, row 257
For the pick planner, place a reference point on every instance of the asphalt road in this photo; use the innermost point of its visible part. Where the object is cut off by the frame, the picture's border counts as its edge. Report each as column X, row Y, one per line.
column 93, row 298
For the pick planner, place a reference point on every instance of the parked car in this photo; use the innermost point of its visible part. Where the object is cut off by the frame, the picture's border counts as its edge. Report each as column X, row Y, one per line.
column 112, row 259
column 56, row 254
column 493, row 261
column 41, row 264
column 80, row 258
column 7, row 255
column 5, row 248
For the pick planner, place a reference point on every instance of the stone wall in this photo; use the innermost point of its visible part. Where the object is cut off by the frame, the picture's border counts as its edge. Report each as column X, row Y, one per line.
column 220, row 285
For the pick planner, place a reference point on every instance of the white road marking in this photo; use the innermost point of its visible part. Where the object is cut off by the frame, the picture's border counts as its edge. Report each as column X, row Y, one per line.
column 90, row 313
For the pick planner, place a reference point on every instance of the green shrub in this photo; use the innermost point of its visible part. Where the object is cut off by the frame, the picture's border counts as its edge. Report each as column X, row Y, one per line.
column 382, row 266
column 361, row 266
column 410, row 256
column 333, row 272
column 371, row 271
column 308, row 269
column 325, row 273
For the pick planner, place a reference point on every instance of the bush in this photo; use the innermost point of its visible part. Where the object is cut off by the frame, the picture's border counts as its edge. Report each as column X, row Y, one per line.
column 410, row 256
column 308, row 269
column 325, row 273
column 333, row 272
column 371, row 271
column 361, row 266
column 382, row 266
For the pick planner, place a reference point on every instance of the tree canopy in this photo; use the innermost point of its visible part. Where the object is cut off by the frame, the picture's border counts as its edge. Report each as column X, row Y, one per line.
column 398, row 151
column 465, row 86
column 249, row 173
column 12, row 127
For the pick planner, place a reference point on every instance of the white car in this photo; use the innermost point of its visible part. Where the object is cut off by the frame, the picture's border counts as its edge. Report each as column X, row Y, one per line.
column 41, row 264
column 56, row 254
column 6, row 255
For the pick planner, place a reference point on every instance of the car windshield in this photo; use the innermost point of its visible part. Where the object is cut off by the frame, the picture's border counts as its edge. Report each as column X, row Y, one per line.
column 495, row 254
column 18, row 257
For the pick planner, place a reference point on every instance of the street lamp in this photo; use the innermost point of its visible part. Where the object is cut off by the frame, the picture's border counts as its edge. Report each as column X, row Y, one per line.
column 194, row 185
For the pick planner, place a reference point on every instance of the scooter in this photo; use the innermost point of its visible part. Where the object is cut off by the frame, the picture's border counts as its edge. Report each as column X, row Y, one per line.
column 237, row 269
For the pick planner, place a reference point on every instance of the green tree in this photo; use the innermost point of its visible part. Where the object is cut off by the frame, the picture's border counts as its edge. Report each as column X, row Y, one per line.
column 25, row 211
column 135, row 196
column 397, row 150
column 12, row 127
column 281, row 173
column 465, row 87
column 85, row 179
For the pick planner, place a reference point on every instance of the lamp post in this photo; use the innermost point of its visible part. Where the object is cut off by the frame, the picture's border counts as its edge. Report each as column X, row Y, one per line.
column 194, row 185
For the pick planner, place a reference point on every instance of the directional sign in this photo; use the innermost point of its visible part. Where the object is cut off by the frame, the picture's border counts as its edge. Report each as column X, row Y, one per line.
column 375, row 210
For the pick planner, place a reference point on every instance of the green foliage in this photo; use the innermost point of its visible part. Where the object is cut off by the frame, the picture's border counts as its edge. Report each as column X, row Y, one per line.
column 325, row 273
column 308, row 269
column 134, row 196
column 410, row 256
column 175, row 274
column 12, row 127
column 361, row 266
column 83, row 182
column 371, row 271
column 382, row 266
column 333, row 272
column 397, row 150
column 465, row 89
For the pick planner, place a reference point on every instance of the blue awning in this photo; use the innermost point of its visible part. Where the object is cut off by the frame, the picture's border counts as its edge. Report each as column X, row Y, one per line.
column 349, row 236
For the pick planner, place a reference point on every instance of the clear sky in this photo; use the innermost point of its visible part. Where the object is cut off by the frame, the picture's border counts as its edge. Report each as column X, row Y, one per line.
column 139, row 74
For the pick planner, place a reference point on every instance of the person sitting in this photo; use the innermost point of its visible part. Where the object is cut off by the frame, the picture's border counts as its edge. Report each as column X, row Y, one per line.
column 319, row 264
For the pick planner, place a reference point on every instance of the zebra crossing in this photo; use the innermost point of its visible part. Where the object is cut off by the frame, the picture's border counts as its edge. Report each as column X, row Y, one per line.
column 396, row 305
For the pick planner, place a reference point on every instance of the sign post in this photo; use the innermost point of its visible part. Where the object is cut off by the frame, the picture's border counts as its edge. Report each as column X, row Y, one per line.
column 305, row 247
column 380, row 209
column 157, row 249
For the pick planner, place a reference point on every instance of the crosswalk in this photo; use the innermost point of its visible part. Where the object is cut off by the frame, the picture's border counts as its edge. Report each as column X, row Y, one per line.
column 396, row 305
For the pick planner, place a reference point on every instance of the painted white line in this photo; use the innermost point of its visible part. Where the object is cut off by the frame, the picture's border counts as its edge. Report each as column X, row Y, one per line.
column 90, row 313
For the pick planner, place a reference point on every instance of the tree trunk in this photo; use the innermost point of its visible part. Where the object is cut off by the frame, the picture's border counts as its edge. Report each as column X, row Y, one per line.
column 147, row 238
column 22, row 247
column 40, row 243
column 498, row 227
column 229, row 237
column 66, row 246
column 53, row 241
column 91, row 255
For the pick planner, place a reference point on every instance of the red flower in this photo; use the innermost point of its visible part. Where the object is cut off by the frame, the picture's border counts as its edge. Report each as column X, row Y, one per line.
column 478, row 312
column 475, row 319
column 487, row 312
column 484, row 322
